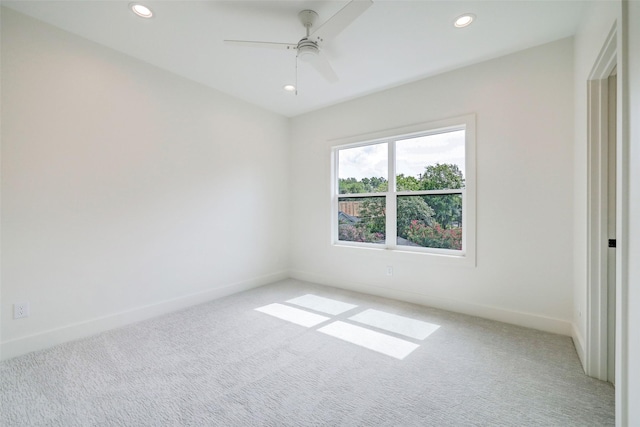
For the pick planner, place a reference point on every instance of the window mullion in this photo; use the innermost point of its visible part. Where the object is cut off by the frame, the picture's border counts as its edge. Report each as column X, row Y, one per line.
column 391, row 202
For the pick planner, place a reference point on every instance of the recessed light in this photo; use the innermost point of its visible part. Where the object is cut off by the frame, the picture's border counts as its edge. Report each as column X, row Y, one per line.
column 141, row 10
column 289, row 88
column 464, row 20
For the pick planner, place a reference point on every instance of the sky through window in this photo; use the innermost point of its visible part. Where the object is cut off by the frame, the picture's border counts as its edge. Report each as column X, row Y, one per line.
column 412, row 156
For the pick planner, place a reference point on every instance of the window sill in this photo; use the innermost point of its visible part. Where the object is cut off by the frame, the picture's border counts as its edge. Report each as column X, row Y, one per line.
column 443, row 257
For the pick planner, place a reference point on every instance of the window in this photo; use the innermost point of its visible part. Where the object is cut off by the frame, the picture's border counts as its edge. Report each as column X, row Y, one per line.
column 410, row 191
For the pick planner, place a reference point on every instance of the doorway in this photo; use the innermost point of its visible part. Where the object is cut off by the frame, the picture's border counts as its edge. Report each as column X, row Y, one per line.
column 611, row 224
column 602, row 215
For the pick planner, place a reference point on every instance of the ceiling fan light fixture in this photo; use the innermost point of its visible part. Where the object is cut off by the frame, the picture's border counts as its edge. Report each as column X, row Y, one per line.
column 289, row 88
column 141, row 10
column 306, row 52
column 464, row 20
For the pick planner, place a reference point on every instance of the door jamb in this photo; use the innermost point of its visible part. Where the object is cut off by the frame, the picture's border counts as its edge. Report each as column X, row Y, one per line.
column 597, row 171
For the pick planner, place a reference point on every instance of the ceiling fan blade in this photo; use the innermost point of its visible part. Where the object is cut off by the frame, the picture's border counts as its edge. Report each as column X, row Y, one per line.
column 268, row 45
column 340, row 20
column 322, row 66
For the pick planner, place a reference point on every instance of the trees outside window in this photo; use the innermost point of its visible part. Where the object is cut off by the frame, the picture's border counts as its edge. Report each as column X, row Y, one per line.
column 404, row 192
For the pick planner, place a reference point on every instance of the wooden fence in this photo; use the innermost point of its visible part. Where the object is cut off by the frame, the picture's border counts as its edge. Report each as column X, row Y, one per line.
column 350, row 208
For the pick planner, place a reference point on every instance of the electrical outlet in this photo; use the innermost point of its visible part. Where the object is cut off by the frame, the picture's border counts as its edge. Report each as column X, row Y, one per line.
column 20, row 309
column 389, row 270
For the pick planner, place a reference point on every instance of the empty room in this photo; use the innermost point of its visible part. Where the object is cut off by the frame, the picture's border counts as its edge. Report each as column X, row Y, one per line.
column 320, row 213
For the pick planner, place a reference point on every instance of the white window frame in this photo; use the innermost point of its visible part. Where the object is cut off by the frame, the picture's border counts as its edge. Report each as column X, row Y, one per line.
column 465, row 256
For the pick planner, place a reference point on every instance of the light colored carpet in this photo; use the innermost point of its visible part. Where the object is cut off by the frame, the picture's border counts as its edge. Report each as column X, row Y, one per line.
column 226, row 364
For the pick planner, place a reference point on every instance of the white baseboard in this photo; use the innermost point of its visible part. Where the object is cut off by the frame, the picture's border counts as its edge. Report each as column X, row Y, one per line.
column 578, row 342
column 529, row 320
column 46, row 339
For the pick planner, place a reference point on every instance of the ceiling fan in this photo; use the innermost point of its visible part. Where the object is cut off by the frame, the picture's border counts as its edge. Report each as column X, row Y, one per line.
column 308, row 48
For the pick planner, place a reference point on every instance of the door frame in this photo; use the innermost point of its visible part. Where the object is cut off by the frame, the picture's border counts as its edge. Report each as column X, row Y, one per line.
column 596, row 364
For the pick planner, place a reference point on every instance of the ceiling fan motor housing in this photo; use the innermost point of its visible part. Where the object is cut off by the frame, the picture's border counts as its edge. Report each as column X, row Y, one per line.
column 307, row 49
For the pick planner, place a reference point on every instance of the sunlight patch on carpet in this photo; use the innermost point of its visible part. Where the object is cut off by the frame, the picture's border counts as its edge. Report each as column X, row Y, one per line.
column 393, row 323
column 293, row 315
column 324, row 305
column 362, row 336
column 385, row 344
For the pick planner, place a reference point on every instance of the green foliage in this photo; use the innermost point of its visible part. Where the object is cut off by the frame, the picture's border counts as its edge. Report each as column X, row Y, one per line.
column 375, row 184
column 350, row 186
column 435, row 236
column 366, row 185
column 354, row 233
column 447, row 207
column 429, row 220
column 368, row 226
column 372, row 214
column 407, row 183
column 412, row 208
column 441, row 176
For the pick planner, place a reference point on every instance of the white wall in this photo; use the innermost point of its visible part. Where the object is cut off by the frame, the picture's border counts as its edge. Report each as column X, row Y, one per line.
column 127, row 191
column 524, row 114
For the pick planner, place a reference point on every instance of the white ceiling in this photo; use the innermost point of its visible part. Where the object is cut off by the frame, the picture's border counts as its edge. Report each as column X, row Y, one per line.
column 391, row 43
